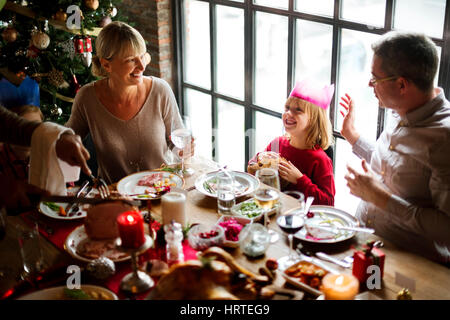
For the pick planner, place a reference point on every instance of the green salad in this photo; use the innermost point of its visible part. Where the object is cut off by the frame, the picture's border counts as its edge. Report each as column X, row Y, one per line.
column 249, row 209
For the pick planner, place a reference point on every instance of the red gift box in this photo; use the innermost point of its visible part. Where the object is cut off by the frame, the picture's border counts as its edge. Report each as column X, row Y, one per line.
column 361, row 261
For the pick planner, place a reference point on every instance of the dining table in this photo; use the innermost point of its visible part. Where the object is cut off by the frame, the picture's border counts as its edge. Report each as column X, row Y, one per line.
column 425, row 279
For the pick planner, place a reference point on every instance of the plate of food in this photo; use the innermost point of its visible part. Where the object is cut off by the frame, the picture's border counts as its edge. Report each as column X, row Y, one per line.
column 149, row 184
column 81, row 247
column 248, row 209
column 328, row 217
column 322, row 222
column 307, row 275
column 244, row 183
column 57, row 210
column 85, row 292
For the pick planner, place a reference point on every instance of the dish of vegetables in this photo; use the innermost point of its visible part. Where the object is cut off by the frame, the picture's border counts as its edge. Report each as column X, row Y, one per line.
column 250, row 210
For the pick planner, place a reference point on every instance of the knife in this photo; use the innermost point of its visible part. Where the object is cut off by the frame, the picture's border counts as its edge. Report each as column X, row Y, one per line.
column 327, row 257
column 72, row 199
column 334, row 228
column 78, row 194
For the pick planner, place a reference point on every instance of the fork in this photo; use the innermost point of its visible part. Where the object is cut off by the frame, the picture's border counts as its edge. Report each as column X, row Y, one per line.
column 101, row 186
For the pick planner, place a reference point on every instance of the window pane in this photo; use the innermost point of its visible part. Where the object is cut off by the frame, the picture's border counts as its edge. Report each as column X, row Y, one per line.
column 321, row 7
column 313, row 51
column 355, row 63
column 344, row 155
column 198, row 107
column 283, row 4
column 271, row 60
column 267, row 128
column 370, row 12
column 420, row 16
column 196, row 40
column 231, row 138
column 230, row 51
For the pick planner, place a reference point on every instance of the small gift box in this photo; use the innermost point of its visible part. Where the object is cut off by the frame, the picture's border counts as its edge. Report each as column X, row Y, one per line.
column 363, row 259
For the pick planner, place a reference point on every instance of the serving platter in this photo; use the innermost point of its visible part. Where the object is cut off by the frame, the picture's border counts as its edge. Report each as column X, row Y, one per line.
column 128, row 186
column 57, row 293
column 245, row 183
column 327, row 216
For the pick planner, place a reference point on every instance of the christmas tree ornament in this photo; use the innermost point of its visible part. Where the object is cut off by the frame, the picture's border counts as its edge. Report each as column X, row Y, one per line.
column 91, row 4
column 23, row 3
column 79, row 44
column 101, row 268
column 10, row 34
column 104, row 21
column 86, row 57
column 40, row 40
column 404, row 294
column 112, row 11
column 87, row 44
column 76, row 86
column 32, row 51
column 60, row 16
column 56, row 111
column 68, row 47
column 56, row 78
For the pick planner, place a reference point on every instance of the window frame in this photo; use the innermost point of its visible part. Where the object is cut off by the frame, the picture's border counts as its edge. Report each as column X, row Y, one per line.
column 249, row 47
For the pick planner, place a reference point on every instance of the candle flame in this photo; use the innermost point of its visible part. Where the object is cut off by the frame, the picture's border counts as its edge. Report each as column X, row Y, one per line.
column 339, row 280
column 130, row 218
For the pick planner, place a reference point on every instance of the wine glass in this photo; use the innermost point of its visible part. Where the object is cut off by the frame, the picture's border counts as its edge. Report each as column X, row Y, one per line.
column 181, row 137
column 266, row 198
column 290, row 223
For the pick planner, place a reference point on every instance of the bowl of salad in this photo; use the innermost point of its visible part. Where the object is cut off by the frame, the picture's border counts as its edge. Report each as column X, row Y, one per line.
column 250, row 210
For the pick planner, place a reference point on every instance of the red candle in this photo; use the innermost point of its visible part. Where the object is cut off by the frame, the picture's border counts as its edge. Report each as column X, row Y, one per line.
column 131, row 229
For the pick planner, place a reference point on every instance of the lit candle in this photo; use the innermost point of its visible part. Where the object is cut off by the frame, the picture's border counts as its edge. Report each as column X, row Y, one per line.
column 340, row 286
column 173, row 208
column 131, row 229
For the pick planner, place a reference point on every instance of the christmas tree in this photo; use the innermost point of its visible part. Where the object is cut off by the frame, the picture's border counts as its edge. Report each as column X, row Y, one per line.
column 51, row 42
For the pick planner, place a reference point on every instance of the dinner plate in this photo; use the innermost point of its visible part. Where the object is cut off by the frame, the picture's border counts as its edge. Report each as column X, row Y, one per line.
column 129, row 185
column 78, row 237
column 326, row 216
column 82, row 212
column 245, row 183
column 57, row 293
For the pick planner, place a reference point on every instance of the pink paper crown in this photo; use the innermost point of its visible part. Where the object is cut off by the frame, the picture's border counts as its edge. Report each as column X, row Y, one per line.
column 311, row 92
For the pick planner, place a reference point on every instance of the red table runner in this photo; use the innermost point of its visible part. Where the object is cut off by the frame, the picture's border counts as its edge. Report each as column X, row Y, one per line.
column 62, row 229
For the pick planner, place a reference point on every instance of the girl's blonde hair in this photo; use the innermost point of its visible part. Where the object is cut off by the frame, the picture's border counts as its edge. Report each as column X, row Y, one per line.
column 319, row 125
column 115, row 40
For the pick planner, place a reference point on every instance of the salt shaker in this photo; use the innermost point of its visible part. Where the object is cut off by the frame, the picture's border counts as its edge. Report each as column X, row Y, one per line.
column 174, row 248
column 225, row 192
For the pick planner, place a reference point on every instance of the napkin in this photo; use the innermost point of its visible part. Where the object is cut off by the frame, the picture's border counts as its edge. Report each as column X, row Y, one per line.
column 46, row 170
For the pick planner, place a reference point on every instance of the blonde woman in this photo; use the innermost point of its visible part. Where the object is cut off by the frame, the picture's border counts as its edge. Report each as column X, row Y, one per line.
column 129, row 115
column 304, row 165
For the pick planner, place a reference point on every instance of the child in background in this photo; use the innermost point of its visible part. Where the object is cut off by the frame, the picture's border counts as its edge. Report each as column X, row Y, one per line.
column 303, row 164
column 14, row 160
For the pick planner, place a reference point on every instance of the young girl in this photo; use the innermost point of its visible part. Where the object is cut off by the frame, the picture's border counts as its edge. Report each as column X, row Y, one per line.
column 304, row 165
column 14, row 160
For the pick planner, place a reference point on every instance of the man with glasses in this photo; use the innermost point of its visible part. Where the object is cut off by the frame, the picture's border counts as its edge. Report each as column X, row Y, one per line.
column 406, row 191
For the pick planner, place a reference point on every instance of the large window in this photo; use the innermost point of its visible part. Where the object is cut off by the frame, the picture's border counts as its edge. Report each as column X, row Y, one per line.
column 238, row 60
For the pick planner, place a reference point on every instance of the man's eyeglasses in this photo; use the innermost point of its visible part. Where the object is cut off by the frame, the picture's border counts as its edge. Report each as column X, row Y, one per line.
column 374, row 81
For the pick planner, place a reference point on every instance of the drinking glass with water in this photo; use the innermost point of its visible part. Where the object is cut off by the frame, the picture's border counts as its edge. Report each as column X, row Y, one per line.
column 226, row 198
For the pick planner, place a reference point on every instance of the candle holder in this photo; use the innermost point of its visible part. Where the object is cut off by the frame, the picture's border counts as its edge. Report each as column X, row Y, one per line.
column 136, row 281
